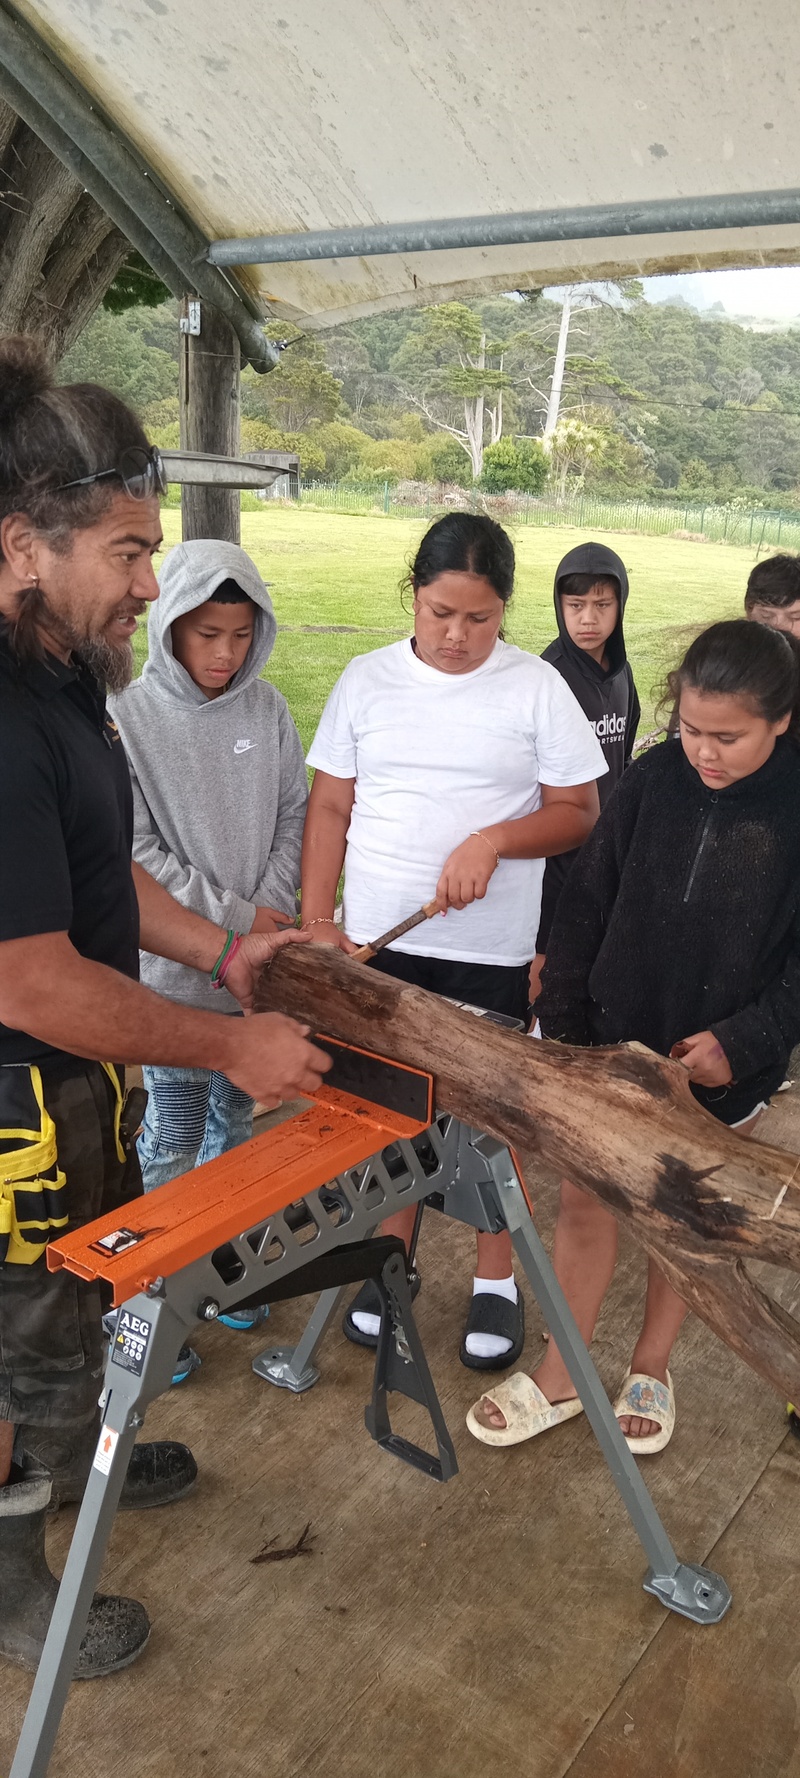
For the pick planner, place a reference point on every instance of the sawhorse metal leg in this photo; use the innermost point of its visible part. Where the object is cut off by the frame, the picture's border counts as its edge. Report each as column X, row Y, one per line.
column 128, row 1394
column 140, row 1367
column 293, row 1367
column 477, row 1183
column 695, row 1592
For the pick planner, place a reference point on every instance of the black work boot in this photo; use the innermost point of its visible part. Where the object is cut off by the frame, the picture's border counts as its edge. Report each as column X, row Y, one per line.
column 117, row 1628
column 158, row 1473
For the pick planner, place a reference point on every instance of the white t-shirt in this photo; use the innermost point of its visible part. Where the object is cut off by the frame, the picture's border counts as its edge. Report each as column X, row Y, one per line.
column 436, row 755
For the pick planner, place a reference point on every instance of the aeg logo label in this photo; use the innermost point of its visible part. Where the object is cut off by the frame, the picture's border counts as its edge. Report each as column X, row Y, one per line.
column 134, row 1325
column 129, row 1344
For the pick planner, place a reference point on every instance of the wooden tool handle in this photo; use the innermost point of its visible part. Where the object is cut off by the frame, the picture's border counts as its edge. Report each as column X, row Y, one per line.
column 367, row 951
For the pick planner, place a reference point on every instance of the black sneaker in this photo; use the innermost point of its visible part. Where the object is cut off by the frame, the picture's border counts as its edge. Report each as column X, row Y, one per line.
column 158, row 1473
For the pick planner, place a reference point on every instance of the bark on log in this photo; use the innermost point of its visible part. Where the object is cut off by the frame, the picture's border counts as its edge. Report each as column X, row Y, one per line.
column 724, row 1294
column 620, row 1122
column 57, row 315
column 8, row 124
column 41, row 196
column 58, row 250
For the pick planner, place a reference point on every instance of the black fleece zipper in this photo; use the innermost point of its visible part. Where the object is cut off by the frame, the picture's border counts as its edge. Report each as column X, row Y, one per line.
column 701, row 846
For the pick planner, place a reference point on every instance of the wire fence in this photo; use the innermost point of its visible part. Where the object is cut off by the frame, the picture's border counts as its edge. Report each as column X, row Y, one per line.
column 755, row 527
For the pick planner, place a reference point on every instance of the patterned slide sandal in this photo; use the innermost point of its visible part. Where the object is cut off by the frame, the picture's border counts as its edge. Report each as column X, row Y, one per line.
column 526, row 1409
column 647, row 1399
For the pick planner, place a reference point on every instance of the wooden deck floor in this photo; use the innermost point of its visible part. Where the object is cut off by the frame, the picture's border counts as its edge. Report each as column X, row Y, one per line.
column 496, row 1625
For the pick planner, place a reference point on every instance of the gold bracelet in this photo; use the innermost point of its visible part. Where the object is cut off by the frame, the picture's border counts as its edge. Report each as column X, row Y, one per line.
column 321, row 920
column 477, row 835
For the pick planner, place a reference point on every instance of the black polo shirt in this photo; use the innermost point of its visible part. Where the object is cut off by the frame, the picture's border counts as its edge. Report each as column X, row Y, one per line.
column 66, row 824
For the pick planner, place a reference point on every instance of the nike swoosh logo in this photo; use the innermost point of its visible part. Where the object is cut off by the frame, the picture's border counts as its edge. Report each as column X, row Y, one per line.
column 243, row 746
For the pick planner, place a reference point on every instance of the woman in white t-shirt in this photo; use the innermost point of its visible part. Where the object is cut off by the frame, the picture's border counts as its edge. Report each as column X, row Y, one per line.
column 449, row 765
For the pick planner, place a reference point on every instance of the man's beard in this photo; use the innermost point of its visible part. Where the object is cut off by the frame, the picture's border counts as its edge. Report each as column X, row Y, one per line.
column 112, row 667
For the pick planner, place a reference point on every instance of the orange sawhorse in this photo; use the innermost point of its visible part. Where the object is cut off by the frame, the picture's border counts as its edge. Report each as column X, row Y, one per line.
column 290, row 1212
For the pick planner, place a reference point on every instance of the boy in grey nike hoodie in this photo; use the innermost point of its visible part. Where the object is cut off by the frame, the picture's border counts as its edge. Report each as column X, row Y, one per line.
column 220, row 790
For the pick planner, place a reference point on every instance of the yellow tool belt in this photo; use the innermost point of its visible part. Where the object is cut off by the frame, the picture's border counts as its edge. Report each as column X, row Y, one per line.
column 33, row 1195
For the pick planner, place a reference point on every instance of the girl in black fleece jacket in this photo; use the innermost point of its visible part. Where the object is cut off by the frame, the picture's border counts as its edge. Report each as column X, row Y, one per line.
column 678, row 927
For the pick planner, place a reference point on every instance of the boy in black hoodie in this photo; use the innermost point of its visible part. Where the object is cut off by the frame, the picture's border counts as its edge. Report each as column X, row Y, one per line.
column 590, row 594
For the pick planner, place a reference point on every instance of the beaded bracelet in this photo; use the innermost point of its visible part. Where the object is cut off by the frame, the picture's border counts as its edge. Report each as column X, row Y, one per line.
column 224, row 967
column 321, row 920
column 477, row 835
column 231, row 945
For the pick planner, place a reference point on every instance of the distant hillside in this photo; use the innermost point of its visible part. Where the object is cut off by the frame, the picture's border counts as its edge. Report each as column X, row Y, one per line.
column 657, row 396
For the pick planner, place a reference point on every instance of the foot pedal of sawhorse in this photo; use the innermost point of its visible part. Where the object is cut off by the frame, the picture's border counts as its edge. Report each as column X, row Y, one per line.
column 400, row 1364
column 401, row 1368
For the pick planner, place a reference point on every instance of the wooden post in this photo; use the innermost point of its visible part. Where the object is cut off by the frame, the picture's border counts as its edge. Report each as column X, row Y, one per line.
column 619, row 1122
column 210, row 409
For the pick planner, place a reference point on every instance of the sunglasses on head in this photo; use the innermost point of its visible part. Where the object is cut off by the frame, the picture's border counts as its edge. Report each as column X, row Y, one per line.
column 140, row 471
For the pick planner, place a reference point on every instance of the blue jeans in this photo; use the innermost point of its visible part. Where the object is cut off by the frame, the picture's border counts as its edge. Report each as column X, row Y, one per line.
column 192, row 1116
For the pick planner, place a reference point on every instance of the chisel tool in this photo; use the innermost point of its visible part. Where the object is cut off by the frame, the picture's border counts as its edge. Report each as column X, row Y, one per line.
column 386, row 938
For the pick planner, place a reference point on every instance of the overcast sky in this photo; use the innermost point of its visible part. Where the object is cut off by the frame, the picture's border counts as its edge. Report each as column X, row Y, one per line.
column 771, row 293
column 768, row 294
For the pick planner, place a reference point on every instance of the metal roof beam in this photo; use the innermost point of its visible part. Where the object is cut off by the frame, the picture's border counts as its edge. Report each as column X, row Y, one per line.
column 52, row 104
column 657, row 216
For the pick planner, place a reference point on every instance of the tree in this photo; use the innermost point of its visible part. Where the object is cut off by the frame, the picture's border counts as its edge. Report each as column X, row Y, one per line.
column 135, row 286
column 386, row 460
column 578, row 297
column 696, row 476
column 626, row 462
column 596, row 453
column 443, row 460
column 444, row 369
column 341, row 445
column 519, row 465
column 59, row 251
column 347, row 357
column 668, row 469
column 557, row 379
column 573, row 445
column 768, row 452
column 298, row 392
column 111, row 351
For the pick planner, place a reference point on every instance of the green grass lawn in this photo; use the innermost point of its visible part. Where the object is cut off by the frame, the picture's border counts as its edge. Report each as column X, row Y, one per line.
column 344, row 571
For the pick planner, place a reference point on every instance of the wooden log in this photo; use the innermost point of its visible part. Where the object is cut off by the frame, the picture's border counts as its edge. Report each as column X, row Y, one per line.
column 620, row 1122
column 210, row 410
column 68, row 296
column 41, row 195
column 83, row 233
column 723, row 1293
column 9, row 122
column 58, row 250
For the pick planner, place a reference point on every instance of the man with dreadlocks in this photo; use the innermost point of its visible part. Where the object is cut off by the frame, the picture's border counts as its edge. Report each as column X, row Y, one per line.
column 79, row 525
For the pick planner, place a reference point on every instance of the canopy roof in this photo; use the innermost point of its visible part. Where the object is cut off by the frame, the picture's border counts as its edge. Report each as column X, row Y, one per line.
column 257, row 120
